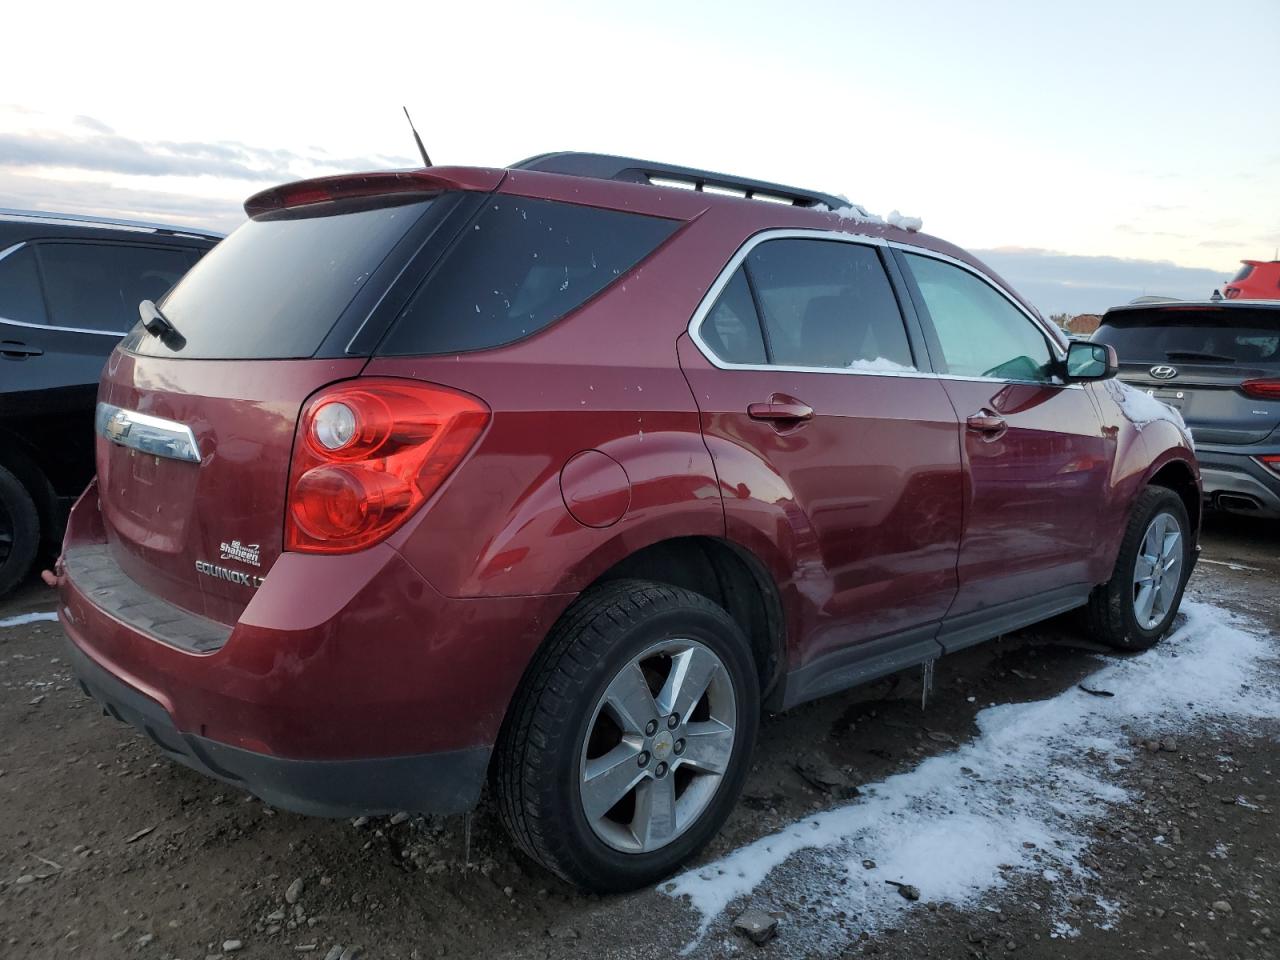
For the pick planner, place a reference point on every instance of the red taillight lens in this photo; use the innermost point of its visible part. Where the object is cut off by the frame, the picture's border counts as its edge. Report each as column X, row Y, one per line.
column 368, row 454
column 1262, row 389
column 1271, row 460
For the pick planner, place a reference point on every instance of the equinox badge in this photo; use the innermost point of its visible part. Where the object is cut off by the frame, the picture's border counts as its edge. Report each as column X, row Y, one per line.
column 226, row 573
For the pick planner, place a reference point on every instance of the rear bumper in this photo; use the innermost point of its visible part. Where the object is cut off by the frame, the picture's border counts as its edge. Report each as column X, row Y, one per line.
column 447, row 782
column 1237, row 483
column 348, row 685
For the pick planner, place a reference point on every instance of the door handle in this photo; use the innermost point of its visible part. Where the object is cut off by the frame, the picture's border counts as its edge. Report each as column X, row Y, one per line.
column 780, row 409
column 988, row 424
column 13, row 350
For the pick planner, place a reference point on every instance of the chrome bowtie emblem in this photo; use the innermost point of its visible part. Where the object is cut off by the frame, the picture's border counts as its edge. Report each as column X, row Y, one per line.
column 1164, row 372
column 117, row 427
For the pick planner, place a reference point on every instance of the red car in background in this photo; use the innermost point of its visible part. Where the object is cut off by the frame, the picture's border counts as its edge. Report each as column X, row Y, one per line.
column 1256, row 280
column 555, row 476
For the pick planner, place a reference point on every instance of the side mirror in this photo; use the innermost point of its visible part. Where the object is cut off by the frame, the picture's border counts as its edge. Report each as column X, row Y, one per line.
column 1091, row 361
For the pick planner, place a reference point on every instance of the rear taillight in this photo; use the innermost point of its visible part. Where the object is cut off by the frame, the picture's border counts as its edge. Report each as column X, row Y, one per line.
column 368, row 454
column 1262, row 389
column 1271, row 460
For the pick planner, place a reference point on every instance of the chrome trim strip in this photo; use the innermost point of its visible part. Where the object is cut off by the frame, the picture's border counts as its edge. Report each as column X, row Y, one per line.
column 145, row 433
column 110, row 223
column 13, row 249
column 50, row 326
column 713, row 294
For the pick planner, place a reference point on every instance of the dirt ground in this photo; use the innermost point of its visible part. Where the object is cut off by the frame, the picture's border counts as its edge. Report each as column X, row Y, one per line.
column 107, row 850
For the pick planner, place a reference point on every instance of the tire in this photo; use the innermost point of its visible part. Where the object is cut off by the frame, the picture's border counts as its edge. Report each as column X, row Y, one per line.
column 1116, row 608
column 561, row 731
column 19, row 531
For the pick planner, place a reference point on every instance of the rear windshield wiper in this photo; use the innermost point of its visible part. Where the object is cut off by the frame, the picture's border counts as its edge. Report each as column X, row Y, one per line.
column 1193, row 355
column 160, row 327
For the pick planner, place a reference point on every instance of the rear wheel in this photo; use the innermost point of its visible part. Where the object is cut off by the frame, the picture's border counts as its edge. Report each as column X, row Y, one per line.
column 629, row 742
column 1136, row 607
column 19, row 531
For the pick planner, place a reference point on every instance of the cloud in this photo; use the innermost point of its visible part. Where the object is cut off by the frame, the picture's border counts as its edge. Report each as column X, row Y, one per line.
column 89, row 123
column 1066, row 283
column 103, row 151
column 103, row 199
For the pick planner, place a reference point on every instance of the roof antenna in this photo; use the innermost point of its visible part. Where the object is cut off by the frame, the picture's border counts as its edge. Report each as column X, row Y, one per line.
column 426, row 160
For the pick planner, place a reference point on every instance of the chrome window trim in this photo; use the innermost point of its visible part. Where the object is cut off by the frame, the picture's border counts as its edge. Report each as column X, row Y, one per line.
column 12, row 249
column 147, row 434
column 52, row 326
column 109, row 223
column 717, row 287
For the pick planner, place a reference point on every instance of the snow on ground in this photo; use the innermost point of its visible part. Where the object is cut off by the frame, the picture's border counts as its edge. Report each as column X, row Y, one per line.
column 27, row 618
column 1016, row 800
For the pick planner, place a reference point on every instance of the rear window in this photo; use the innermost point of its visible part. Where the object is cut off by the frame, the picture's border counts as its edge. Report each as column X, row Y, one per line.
column 521, row 266
column 98, row 286
column 1225, row 335
column 20, row 297
column 276, row 287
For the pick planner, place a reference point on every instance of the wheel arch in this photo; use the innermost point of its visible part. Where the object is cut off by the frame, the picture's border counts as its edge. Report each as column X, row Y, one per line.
column 1180, row 476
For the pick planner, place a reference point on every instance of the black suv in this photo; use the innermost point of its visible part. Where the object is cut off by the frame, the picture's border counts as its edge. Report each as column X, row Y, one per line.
column 69, row 289
column 1218, row 363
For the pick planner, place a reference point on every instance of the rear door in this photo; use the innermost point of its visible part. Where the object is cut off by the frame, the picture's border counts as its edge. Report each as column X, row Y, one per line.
column 1036, row 460
column 1196, row 358
column 830, row 444
column 193, row 493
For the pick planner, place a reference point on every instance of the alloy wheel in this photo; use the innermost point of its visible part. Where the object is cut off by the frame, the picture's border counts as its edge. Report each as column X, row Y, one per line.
column 658, row 746
column 1157, row 572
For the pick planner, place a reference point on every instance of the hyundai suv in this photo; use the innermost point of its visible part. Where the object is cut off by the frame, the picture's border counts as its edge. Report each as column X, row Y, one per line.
column 69, row 289
column 1218, row 363
column 553, row 477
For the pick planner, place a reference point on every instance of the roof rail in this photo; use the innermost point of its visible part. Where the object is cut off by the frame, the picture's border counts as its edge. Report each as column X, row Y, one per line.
column 600, row 166
column 109, row 223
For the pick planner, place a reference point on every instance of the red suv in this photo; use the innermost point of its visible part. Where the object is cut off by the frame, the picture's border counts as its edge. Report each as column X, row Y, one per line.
column 1255, row 280
column 553, row 477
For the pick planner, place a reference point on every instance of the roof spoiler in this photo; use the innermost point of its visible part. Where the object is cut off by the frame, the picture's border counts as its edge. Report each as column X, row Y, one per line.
column 383, row 183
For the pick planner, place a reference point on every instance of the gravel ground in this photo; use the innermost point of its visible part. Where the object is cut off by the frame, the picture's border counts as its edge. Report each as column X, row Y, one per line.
column 107, row 850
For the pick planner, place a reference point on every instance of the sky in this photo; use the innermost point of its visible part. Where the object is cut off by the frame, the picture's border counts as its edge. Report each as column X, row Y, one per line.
column 1091, row 152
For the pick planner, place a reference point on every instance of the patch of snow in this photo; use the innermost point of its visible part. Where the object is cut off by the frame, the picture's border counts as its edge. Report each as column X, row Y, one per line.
column 1015, row 802
column 1141, row 408
column 860, row 214
column 910, row 224
column 853, row 211
column 879, row 365
column 22, row 618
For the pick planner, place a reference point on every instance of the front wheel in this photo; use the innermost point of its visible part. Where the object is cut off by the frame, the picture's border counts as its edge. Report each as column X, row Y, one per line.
column 1136, row 607
column 630, row 739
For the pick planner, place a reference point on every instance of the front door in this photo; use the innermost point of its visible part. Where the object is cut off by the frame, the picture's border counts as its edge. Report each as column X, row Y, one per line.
column 1036, row 460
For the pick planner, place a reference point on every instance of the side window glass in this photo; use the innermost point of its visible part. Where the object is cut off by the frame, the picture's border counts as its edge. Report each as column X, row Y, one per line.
column 827, row 303
column 732, row 329
column 981, row 333
column 98, row 286
column 20, row 297
column 525, row 264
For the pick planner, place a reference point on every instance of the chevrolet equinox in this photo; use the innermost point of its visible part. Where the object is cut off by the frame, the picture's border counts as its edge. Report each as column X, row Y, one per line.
column 554, row 477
